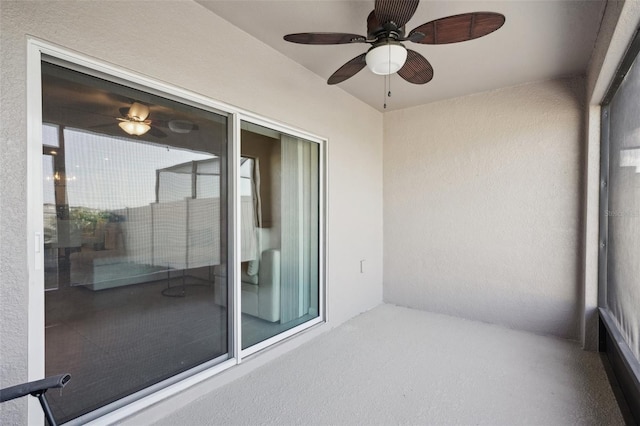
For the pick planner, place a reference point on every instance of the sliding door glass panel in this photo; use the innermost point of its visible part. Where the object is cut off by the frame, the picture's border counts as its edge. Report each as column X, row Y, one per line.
column 135, row 206
column 623, row 211
column 280, row 232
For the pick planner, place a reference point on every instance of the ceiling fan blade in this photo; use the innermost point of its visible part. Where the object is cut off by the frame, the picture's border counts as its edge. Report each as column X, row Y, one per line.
column 348, row 70
column 372, row 24
column 154, row 131
column 396, row 11
column 324, row 38
column 105, row 125
column 457, row 28
column 417, row 69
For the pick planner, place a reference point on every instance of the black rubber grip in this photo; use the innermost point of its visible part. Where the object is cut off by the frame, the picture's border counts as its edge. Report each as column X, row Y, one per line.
column 34, row 388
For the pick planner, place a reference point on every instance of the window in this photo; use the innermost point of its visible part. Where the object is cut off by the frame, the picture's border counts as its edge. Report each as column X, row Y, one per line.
column 620, row 227
column 151, row 259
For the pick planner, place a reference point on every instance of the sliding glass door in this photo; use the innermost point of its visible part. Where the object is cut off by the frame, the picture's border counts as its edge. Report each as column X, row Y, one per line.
column 280, row 232
column 135, row 205
column 175, row 236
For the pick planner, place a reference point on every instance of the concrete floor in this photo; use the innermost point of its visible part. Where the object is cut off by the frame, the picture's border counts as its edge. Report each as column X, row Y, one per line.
column 394, row 365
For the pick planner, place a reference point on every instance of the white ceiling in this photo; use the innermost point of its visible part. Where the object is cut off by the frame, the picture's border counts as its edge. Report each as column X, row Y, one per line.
column 541, row 39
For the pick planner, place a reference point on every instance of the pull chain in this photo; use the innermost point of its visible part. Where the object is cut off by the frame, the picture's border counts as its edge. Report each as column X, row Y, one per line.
column 387, row 80
column 384, row 97
column 387, row 89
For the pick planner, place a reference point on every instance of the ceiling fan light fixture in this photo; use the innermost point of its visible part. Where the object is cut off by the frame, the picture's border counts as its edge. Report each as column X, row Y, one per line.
column 386, row 59
column 136, row 128
column 138, row 111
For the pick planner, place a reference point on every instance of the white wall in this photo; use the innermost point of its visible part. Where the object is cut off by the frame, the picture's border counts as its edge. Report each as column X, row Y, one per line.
column 183, row 44
column 482, row 198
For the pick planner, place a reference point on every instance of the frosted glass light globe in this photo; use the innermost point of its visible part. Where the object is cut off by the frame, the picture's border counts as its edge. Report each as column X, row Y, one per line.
column 386, row 59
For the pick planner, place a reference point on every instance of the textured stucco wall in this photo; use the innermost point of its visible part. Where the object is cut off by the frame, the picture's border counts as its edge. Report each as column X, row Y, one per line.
column 482, row 206
column 182, row 43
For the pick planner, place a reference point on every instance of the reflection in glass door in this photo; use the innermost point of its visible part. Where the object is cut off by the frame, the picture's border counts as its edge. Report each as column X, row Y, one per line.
column 280, row 232
column 135, row 207
column 50, row 227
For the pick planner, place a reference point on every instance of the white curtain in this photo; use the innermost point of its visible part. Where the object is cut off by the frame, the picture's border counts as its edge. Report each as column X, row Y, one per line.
column 299, row 233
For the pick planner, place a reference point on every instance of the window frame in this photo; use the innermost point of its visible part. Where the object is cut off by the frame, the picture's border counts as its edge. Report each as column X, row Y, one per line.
column 38, row 51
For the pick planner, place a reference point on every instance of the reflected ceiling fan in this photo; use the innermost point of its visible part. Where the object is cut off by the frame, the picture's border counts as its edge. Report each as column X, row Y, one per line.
column 135, row 121
column 386, row 32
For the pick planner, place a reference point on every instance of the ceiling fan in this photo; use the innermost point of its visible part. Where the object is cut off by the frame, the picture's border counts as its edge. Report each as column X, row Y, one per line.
column 386, row 32
column 135, row 121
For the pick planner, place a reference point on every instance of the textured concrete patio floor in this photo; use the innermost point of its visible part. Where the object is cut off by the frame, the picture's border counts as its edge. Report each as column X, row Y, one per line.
column 394, row 365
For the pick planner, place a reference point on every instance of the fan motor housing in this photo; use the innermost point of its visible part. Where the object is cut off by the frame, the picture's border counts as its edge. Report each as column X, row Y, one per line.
column 388, row 30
